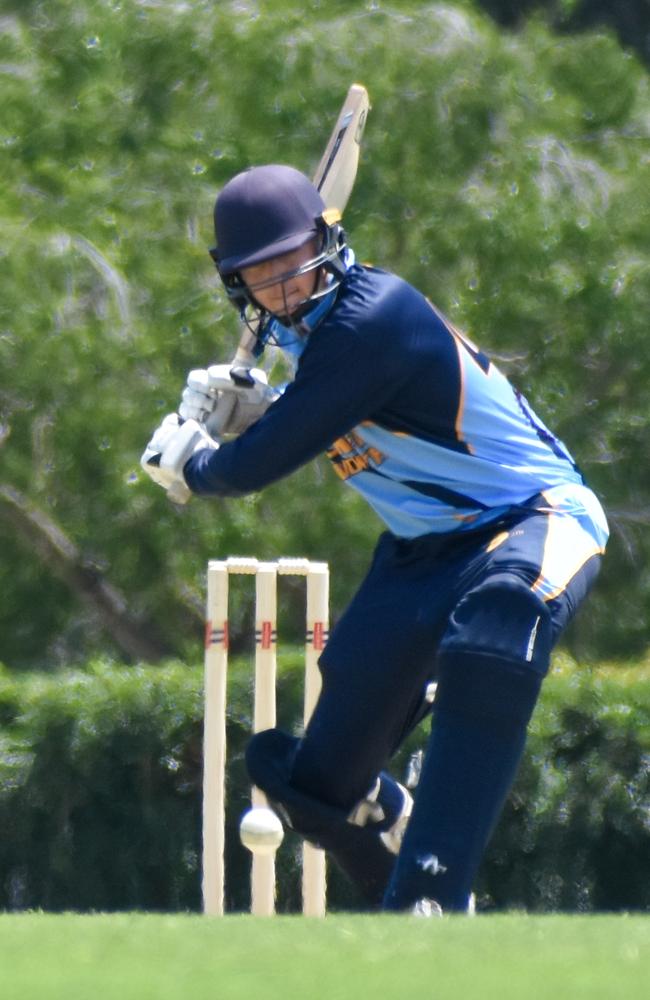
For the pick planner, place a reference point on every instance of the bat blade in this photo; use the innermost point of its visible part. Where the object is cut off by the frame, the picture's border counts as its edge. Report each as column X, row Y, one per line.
column 337, row 170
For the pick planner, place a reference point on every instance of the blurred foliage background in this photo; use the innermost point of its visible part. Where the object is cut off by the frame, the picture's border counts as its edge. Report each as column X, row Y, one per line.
column 505, row 172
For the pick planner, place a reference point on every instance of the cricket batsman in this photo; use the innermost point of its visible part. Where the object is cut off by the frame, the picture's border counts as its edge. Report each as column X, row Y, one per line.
column 492, row 540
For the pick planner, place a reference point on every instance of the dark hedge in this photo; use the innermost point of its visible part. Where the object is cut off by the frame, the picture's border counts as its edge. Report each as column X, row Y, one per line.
column 100, row 793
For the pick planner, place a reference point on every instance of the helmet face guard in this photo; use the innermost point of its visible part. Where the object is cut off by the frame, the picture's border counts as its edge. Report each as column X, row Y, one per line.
column 266, row 212
column 329, row 258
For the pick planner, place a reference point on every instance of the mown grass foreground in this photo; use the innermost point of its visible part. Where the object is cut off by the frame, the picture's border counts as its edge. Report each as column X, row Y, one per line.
column 188, row 956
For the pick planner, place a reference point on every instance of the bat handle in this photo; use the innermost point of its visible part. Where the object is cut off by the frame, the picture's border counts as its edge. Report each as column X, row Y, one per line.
column 241, row 374
column 242, row 363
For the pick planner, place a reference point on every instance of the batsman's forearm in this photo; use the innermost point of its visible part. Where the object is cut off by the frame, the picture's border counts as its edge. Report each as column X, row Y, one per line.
column 247, row 464
column 204, row 480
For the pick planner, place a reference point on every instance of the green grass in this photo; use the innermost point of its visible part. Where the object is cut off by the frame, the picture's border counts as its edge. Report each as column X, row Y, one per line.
column 183, row 957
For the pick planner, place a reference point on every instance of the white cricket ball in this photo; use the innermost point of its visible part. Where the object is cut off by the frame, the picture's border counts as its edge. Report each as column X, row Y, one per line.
column 260, row 830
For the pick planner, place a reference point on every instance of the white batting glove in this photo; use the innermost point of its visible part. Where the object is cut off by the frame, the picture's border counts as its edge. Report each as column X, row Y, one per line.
column 224, row 406
column 172, row 444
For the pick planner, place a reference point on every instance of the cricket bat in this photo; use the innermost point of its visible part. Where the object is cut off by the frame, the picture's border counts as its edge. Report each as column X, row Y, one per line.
column 337, row 170
column 334, row 178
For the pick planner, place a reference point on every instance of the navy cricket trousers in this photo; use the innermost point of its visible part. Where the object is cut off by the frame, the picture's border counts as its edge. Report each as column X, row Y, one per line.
column 388, row 644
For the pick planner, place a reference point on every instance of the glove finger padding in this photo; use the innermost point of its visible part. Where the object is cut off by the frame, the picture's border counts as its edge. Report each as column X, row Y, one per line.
column 220, row 422
column 226, row 407
column 150, row 459
column 251, row 400
column 199, row 396
column 172, row 444
column 195, row 406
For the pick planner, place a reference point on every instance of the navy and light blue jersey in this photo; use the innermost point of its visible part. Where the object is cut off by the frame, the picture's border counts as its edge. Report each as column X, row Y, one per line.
column 412, row 415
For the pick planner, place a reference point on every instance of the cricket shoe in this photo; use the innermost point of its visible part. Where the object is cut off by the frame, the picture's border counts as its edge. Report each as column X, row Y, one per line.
column 387, row 808
column 426, row 908
column 392, row 838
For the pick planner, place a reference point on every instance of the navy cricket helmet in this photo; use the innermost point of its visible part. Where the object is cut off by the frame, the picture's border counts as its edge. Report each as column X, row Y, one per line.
column 262, row 213
column 265, row 212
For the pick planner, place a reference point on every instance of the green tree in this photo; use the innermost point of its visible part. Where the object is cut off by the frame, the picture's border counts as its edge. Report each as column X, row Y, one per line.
column 630, row 19
column 505, row 175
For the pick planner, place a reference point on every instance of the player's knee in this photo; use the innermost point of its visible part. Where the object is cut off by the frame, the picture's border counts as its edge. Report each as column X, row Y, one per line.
column 496, row 651
column 269, row 760
column 503, row 618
